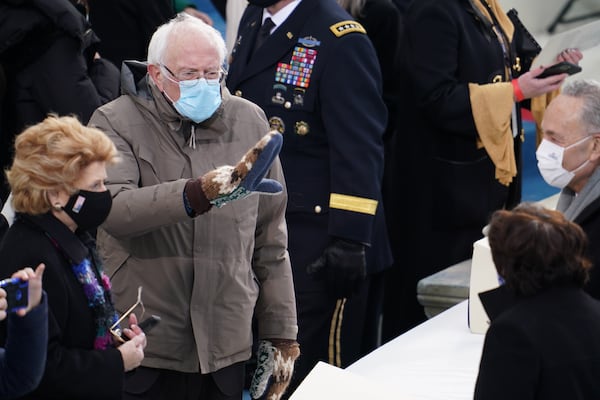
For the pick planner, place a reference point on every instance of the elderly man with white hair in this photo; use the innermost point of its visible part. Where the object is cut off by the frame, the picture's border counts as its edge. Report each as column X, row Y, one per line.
column 569, row 157
column 206, row 271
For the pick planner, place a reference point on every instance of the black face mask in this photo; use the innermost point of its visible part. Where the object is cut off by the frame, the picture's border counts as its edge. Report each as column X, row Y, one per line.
column 89, row 209
column 262, row 3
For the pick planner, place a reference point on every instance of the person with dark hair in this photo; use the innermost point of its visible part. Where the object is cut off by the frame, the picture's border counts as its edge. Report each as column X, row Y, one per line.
column 569, row 159
column 542, row 342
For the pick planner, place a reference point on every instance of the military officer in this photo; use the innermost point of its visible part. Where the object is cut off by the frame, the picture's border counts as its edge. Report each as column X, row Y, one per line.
column 315, row 73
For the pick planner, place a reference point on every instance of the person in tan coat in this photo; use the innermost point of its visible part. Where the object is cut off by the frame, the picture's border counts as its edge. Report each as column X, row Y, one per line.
column 205, row 270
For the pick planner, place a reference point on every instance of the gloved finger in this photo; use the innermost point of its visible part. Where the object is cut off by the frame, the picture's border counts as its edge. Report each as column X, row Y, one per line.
column 317, row 267
column 259, row 159
column 269, row 186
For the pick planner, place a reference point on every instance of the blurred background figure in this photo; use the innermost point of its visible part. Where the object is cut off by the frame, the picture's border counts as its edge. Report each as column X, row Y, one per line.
column 210, row 11
column 223, row 15
column 542, row 342
column 384, row 26
column 464, row 75
column 50, row 63
column 233, row 10
column 125, row 26
column 23, row 358
column 402, row 5
column 57, row 182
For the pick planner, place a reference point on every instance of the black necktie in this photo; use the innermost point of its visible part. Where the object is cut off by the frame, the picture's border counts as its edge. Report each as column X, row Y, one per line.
column 263, row 33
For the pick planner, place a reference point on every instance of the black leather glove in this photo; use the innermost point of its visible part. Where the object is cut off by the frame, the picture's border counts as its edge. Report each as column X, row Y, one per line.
column 343, row 265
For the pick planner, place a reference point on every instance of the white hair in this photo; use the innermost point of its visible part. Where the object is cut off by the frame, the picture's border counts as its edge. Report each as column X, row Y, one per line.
column 180, row 23
column 589, row 91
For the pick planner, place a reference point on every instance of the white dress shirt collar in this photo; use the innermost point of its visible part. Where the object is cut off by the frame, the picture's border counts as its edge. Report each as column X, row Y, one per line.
column 280, row 16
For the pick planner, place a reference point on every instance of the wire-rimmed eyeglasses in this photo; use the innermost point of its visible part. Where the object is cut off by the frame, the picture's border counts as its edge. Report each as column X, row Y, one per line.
column 192, row 78
column 115, row 329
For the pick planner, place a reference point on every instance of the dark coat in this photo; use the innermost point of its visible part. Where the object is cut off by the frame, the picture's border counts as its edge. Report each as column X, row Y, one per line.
column 449, row 184
column 47, row 50
column 589, row 220
column 545, row 347
column 332, row 125
column 126, row 26
column 384, row 26
column 453, row 188
column 383, row 23
column 47, row 53
column 23, row 360
column 74, row 370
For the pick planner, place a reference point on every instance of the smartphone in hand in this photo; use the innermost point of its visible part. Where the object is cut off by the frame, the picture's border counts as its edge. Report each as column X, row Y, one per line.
column 149, row 323
column 560, row 68
column 146, row 325
column 17, row 293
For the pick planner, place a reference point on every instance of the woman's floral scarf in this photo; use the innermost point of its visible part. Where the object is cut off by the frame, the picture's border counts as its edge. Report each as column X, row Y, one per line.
column 98, row 295
column 96, row 286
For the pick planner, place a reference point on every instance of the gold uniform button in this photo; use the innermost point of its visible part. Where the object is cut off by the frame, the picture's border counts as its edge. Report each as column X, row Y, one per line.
column 302, row 128
column 318, row 209
column 238, row 93
column 288, row 104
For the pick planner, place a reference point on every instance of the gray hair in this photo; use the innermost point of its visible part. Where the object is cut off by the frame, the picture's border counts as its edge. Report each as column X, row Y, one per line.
column 353, row 7
column 589, row 91
column 181, row 23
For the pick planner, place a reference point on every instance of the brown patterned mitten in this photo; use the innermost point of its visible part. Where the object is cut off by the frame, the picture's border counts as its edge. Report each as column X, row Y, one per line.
column 228, row 183
column 275, row 367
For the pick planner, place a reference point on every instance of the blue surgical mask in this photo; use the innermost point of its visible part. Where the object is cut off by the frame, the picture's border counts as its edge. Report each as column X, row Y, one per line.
column 198, row 101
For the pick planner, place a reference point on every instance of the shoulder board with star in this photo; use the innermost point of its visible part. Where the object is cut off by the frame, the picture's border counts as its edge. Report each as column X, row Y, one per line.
column 344, row 27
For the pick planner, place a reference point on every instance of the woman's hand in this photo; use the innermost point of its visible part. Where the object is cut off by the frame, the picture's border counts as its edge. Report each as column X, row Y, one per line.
column 132, row 351
column 532, row 86
column 570, row 55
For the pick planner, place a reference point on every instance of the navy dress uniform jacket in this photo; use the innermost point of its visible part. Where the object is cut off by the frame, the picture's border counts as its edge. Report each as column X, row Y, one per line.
column 318, row 80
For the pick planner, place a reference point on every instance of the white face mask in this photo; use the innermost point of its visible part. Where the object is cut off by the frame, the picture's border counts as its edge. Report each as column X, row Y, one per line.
column 550, row 159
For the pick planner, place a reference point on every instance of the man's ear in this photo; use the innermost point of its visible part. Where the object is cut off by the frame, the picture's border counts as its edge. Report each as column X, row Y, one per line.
column 595, row 156
column 156, row 75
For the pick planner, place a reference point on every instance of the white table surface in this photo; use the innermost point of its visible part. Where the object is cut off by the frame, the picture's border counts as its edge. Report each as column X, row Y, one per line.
column 438, row 359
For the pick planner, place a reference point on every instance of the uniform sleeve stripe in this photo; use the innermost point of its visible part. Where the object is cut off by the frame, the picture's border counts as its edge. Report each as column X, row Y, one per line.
column 352, row 203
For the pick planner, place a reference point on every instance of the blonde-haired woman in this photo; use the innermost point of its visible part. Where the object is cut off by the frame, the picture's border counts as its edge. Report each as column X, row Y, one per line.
column 57, row 182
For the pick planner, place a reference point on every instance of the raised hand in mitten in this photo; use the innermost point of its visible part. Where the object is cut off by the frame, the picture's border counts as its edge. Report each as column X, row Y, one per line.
column 343, row 265
column 275, row 367
column 227, row 183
